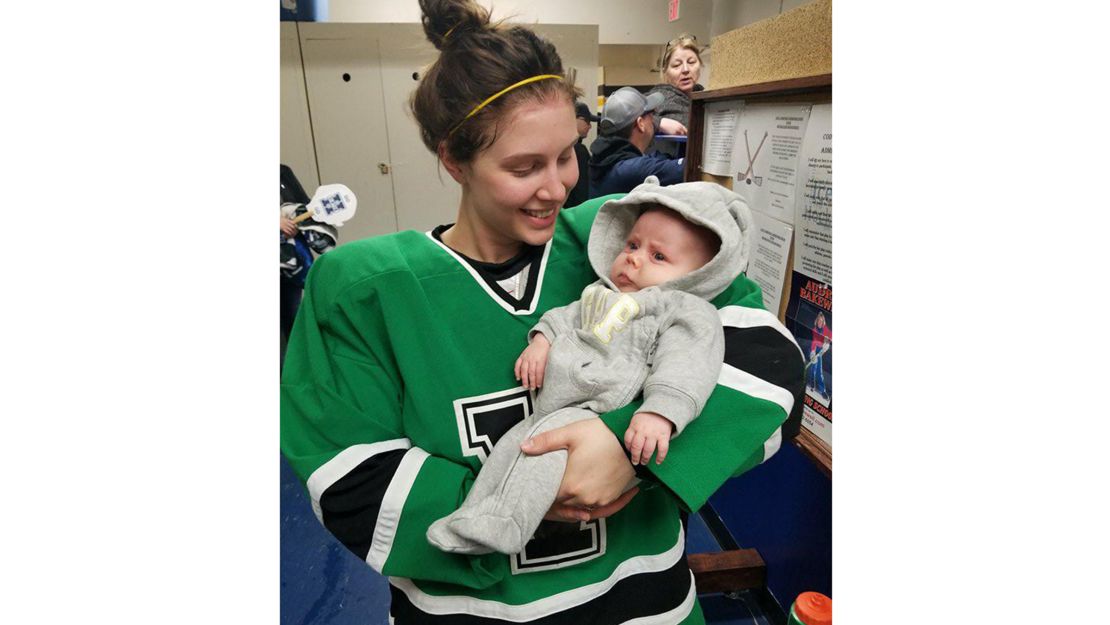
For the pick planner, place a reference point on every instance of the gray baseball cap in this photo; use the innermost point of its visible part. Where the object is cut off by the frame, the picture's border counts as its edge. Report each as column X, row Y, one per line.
column 624, row 106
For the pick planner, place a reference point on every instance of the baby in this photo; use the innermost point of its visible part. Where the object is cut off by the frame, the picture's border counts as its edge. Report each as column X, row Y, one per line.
column 646, row 326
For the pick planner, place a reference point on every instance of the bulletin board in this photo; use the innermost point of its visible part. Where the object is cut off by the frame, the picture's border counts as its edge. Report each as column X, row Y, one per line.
column 764, row 127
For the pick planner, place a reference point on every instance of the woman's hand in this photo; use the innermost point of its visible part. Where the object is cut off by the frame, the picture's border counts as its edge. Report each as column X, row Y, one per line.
column 597, row 470
column 670, row 126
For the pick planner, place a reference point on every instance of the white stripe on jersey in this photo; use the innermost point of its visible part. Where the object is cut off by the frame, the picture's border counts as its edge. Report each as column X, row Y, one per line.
column 673, row 616
column 756, row 387
column 458, row 604
column 343, row 463
column 389, row 515
column 742, row 317
column 771, row 445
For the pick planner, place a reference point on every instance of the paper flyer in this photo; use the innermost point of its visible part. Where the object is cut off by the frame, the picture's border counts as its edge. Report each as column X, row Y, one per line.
column 809, row 311
column 720, row 135
column 768, row 140
column 813, row 221
column 770, row 253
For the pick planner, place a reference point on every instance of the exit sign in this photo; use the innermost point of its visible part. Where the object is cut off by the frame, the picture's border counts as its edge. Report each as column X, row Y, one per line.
column 672, row 10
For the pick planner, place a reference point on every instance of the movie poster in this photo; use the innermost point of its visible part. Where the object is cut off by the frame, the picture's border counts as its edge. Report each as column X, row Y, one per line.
column 809, row 311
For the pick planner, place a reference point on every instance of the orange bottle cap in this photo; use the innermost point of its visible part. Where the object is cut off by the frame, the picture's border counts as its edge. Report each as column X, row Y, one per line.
column 814, row 608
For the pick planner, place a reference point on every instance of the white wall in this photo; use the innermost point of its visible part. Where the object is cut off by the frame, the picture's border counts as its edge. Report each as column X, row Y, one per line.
column 618, row 21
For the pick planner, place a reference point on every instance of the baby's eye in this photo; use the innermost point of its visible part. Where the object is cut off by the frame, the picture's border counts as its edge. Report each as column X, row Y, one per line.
column 633, row 246
column 659, row 256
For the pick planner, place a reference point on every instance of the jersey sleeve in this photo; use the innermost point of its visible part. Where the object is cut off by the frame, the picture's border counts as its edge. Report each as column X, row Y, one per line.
column 342, row 432
column 759, row 387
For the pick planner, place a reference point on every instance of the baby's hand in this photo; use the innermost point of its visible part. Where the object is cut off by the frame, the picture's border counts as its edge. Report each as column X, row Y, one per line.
column 532, row 362
column 648, row 433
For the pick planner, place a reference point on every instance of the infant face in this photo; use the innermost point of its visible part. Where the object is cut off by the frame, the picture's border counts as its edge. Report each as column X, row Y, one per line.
column 661, row 247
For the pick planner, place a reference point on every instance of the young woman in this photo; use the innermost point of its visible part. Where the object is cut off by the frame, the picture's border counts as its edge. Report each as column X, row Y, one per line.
column 398, row 378
column 680, row 69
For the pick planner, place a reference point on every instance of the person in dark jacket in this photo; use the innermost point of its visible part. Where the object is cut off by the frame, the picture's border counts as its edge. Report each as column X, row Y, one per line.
column 581, row 191
column 627, row 126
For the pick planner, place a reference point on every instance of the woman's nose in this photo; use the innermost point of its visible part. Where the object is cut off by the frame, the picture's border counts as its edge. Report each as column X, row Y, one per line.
column 552, row 188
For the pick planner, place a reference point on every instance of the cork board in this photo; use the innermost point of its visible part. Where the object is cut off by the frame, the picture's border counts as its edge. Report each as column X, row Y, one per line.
column 794, row 44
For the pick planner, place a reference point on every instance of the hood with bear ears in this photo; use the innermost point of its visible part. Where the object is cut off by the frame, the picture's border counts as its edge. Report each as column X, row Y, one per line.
column 704, row 203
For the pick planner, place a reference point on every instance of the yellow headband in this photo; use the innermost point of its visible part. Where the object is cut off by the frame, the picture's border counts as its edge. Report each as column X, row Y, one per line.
column 499, row 94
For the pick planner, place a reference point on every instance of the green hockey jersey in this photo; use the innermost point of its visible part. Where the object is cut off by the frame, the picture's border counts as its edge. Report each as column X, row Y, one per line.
column 398, row 380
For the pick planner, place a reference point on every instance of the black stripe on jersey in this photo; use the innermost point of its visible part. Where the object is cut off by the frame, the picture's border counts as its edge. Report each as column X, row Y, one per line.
column 646, row 594
column 768, row 355
column 350, row 505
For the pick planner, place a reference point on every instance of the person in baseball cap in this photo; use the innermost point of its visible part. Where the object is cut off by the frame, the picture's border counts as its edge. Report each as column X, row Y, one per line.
column 581, row 191
column 581, row 111
column 624, row 107
column 627, row 127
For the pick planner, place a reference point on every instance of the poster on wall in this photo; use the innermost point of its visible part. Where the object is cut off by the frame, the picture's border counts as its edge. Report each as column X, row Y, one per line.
column 770, row 255
column 720, row 136
column 765, row 156
column 809, row 310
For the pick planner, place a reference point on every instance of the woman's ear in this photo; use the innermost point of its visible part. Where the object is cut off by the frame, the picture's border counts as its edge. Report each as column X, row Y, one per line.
column 450, row 164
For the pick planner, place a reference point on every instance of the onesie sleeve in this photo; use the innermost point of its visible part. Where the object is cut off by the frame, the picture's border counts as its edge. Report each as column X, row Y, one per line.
column 557, row 321
column 343, row 434
column 686, row 363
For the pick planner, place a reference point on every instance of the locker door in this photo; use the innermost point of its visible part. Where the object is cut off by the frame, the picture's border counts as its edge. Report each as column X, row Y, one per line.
column 426, row 195
column 297, row 150
column 348, row 119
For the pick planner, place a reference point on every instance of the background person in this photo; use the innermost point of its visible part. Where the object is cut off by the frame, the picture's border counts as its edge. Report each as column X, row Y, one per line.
column 581, row 191
column 619, row 162
column 680, row 69
column 398, row 375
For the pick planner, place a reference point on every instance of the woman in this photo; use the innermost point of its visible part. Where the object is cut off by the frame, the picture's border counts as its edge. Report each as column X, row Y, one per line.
column 680, row 69
column 398, row 378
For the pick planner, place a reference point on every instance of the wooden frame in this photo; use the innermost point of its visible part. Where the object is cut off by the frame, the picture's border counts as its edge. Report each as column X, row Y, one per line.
column 814, row 89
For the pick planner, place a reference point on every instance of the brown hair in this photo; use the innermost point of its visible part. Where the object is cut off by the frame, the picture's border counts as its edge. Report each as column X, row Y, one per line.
column 477, row 59
column 683, row 41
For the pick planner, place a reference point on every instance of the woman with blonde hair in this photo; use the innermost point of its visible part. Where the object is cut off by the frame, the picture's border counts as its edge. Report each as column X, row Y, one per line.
column 680, row 69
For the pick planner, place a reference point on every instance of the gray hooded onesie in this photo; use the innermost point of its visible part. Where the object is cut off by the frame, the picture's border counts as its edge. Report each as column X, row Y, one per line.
column 665, row 340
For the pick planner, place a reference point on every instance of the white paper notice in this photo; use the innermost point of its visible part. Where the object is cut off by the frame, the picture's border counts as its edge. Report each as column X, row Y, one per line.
column 765, row 156
column 771, row 250
column 813, row 246
column 720, row 134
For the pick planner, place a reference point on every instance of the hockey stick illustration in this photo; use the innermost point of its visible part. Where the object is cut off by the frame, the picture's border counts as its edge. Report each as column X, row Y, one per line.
column 751, row 159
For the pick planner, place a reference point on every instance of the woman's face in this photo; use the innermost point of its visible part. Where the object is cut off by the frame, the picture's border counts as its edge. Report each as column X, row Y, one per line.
column 514, row 189
column 683, row 69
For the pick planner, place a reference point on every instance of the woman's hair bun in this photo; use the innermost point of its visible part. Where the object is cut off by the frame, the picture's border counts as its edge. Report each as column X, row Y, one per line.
column 446, row 19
